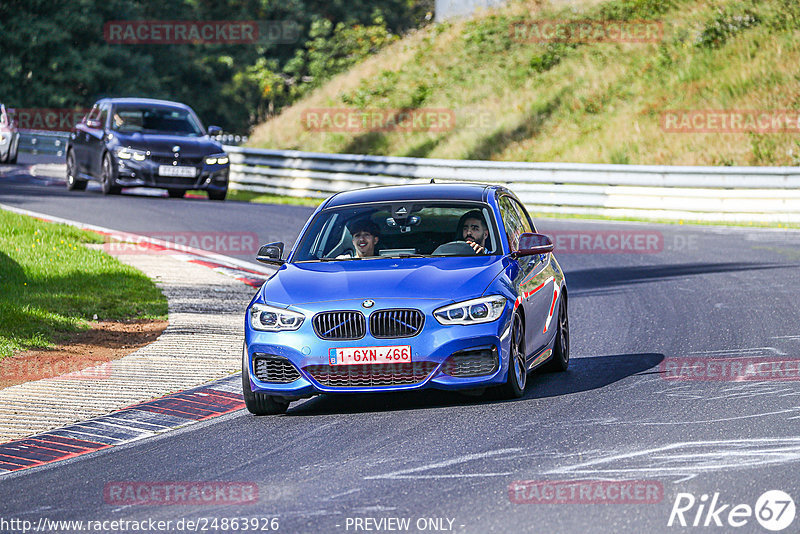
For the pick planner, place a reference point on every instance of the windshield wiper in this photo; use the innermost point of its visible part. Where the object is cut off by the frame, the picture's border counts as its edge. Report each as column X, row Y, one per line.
column 396, row 256
column 337, row 259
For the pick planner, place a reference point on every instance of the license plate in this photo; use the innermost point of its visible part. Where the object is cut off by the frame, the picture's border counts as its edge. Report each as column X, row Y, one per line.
column 176, row 170
column 370, row 355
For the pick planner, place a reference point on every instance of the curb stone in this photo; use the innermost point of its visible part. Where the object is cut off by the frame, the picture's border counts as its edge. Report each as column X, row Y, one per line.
column 206, row 297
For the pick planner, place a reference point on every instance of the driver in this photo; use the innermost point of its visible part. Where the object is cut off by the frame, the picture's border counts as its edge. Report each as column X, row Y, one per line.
column 475, row 231
column 365, row 237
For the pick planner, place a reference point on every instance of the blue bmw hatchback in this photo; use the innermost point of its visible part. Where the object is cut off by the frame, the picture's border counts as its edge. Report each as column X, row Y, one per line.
column 399, row 288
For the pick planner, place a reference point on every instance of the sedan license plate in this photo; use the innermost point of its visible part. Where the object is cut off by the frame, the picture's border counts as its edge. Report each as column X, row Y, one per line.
column 177, row 170
column 370, row 355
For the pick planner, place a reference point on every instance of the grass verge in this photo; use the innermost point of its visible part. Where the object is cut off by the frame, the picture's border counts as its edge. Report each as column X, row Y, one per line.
column 680, row 222
column 262, row 198
column 51, row 285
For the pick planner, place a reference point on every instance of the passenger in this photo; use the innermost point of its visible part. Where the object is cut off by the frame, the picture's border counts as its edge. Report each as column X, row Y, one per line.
column 475, row 231
column 366, row 235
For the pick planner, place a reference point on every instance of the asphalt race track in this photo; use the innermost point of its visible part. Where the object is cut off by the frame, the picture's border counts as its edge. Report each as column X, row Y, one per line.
column 446, row 462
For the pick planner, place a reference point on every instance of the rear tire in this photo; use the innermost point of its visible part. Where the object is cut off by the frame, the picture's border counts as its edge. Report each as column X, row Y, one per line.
column 73, row 183
column 517, row 379
column 109, row 177
column 259, row 403
column 176, row 193
column 560, row 360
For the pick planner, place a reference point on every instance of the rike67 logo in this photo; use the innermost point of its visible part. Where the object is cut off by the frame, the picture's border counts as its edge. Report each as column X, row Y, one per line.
column 774, row 510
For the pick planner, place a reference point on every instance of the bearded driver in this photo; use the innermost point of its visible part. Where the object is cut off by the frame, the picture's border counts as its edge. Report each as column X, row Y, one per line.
column 475, row 231
column 365, row 237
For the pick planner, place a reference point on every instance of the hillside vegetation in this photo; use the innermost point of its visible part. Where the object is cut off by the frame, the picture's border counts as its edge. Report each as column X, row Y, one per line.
column 578, row 102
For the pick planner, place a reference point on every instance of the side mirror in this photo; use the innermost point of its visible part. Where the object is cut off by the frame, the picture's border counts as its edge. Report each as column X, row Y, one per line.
column 93, row 123
column 214, row 130
column 533, row 244
column 271, row 254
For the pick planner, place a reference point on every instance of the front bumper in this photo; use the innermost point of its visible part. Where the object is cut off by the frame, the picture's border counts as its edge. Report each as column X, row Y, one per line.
column 431, row 348
column 131, row 173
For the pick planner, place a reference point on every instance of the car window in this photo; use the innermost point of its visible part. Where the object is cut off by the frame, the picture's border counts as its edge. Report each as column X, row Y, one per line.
column 103, row 115
column 522, row 213
column 428, row 228
column 512, row 221
column 94, row 113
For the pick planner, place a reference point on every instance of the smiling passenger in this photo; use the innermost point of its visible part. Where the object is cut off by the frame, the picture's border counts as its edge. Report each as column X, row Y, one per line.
column 365, row 238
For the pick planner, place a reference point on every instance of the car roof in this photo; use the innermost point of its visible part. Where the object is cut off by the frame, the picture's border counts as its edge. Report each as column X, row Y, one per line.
column 432, row 191
column 145, row 101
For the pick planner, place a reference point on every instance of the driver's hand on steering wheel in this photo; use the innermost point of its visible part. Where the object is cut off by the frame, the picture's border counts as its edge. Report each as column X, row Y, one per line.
column 476, row 247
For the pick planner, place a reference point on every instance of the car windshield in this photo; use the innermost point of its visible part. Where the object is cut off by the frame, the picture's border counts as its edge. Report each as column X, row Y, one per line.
column 400, row 230
column 158, row 120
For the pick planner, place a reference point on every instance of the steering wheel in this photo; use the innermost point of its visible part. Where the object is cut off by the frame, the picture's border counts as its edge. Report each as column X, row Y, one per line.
column 454, row 248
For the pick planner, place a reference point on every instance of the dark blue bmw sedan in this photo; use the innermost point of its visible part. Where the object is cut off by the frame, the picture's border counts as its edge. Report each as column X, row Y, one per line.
column 139, row 142
column 400, row 288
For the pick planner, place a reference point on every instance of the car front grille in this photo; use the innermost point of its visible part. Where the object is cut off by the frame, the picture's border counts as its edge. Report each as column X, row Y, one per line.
column 167, row 160
column 340, row 325
column 389, row 374
column 274, row 369
column 388, row 324
column 476, row 362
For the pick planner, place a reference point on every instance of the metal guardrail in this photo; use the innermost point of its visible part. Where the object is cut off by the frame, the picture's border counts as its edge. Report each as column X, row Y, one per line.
column 740, row 194
column 765, row 194
column 43, row 142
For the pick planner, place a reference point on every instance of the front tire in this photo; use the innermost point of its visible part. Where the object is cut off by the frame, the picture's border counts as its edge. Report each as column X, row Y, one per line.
column 109, row 177
column 517, row 379
column 259, row 403
column 217, row 195
column 73, row 183
column 12, row 158
column 560, row 360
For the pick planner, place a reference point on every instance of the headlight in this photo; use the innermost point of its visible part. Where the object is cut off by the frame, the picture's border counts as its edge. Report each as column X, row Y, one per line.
column 129, row 153
column 271, row 319
column 475, row 311
column 218, row 159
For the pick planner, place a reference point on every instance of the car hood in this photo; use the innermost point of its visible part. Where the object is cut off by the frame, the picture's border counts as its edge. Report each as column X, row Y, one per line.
column 163, row 144
column 447, row 278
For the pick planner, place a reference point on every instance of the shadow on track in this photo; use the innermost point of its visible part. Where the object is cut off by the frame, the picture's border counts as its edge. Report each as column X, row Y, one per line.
column 585, row 374
column 606, row 279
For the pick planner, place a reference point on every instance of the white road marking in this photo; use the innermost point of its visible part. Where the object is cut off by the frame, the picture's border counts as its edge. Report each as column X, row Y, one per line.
column 746, row 351
column 408, row 473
